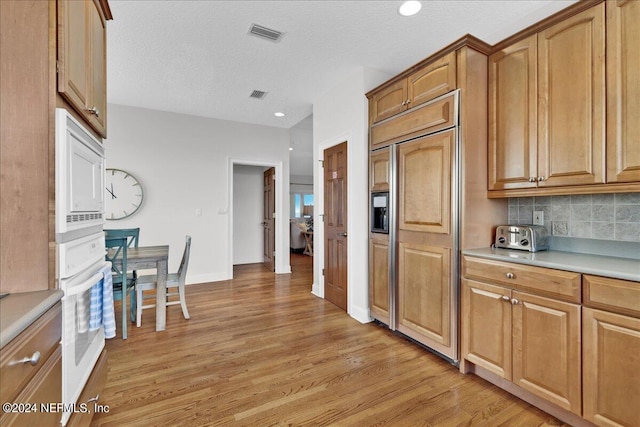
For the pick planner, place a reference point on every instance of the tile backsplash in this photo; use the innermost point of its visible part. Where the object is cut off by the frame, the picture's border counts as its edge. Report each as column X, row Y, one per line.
column 585, row 216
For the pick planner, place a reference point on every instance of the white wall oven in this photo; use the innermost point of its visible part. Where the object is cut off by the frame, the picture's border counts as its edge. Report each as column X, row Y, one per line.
column 81, row 265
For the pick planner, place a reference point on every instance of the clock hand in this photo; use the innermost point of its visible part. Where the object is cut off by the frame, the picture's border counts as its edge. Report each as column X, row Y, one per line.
column 113, row 196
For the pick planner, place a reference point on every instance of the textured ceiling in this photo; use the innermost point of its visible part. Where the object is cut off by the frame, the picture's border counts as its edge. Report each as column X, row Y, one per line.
column 196, row 57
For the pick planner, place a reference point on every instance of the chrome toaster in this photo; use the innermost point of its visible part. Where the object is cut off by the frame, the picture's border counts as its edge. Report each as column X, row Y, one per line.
column 532, row 238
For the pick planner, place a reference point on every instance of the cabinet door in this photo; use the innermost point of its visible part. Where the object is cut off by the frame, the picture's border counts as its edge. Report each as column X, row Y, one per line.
column 388, row 102
column 486, row 327
column 379, row 171
column 98, row 70
column 571, row 107
column 611, row 379
column 513, row 121
column 73, row 52
column 424, row 294
column 434, row 80
column 623, row 91
column 546, row 349
column 379, row 278
column 424, row 183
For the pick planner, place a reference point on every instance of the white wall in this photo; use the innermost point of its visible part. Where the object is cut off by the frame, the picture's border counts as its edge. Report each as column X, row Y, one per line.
column 185, row 164
column 248, row 196
column 341, row 115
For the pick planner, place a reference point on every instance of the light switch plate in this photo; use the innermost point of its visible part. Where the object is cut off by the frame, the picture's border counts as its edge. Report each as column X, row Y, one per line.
column 538, row 217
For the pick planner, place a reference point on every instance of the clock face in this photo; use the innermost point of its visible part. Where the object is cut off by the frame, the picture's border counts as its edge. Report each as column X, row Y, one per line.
column 124, row 194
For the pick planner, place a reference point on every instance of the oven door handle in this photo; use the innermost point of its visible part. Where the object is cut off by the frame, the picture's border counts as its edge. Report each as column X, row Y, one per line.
column 75, row 290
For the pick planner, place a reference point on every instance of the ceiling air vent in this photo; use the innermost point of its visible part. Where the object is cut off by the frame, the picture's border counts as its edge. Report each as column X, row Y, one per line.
column 265, row 33
column 258, row 94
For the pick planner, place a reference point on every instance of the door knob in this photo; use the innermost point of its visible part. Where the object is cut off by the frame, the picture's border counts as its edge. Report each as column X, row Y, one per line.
column 342, row 234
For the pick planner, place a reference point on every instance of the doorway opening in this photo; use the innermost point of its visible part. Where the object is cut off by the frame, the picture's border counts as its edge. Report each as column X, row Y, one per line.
column 245, row 215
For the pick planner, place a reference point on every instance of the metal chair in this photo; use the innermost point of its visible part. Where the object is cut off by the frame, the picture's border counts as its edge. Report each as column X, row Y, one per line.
column 122, row 282
column 174, row 280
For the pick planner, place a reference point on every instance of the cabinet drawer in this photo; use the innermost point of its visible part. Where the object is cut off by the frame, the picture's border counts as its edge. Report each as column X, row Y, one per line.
column 91, row 393
column 42, row 336
column 431, row 117
column 544, row 281
column 619, row 296
column 45, row 388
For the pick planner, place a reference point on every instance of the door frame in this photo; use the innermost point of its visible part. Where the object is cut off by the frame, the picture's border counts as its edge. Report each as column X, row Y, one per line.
column 283, row 264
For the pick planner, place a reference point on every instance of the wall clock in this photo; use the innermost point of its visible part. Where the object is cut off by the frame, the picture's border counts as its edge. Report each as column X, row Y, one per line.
column 124, row 194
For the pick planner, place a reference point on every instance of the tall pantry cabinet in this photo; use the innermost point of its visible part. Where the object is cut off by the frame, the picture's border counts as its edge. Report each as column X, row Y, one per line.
column 36, row 53
column 429, row 150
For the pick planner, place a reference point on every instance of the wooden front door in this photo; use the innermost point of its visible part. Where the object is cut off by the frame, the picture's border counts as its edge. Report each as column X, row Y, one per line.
column 335, row 225
column 268, row 222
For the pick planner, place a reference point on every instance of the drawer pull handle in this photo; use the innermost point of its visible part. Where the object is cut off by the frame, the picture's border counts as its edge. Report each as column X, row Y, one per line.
column 34, row 359
column 505, row 298
column 510, row 276
column 94, row 399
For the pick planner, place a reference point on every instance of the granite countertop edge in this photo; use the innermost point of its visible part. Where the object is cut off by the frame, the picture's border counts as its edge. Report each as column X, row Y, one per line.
column 18, row 311
column 598, row 265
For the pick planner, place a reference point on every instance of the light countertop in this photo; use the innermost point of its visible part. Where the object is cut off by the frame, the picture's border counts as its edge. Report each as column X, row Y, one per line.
column 19, row 310
column 598, row 265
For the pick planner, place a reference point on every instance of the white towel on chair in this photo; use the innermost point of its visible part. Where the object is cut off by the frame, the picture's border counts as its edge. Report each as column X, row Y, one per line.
column 108, row 313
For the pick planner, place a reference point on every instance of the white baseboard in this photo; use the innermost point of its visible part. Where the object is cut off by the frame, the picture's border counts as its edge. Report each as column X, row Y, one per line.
column 360, row 314
column 206, row 278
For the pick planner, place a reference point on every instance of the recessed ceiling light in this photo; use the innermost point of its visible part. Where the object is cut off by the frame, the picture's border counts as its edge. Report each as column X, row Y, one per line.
column 409, row 8
column 290, row 148
column 278, row 114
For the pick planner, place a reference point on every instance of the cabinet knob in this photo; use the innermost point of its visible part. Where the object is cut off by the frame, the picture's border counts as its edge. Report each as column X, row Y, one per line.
column 94, row 111
column 408, row 101
column 510, row 275
column 505, row 298
column 404, row 103
column 541, row 178
column 532, row 179
column 515, row 301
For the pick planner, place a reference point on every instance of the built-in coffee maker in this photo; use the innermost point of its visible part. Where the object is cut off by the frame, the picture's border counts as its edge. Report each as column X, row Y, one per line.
column 380, row 212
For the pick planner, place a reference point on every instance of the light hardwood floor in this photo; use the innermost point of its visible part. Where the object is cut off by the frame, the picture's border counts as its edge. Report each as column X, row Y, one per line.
column 261, row 350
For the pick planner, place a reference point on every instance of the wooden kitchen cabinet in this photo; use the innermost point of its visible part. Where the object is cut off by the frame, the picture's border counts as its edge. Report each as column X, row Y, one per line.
column 379, row 277
column 611, row 377
column 379, row 171
column 38, row 380
column 513, row 121
column 82, row 75
column 611, row 351
column 422, row 85
column 90, row 395
column 530, row 340
column 563, row 67
column 623, row 91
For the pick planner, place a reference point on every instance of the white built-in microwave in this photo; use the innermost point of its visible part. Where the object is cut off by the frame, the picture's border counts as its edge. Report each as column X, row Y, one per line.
column 79, row 176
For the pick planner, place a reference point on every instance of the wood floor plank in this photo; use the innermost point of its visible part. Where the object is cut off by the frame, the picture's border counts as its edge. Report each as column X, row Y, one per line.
column 261, row 350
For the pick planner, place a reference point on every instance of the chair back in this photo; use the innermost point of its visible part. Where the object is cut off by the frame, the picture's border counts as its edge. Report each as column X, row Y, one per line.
column 184, row 264
column 117, row 248
column 132, row 235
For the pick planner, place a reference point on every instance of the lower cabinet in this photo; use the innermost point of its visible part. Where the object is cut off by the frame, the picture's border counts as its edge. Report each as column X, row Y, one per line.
column 611, row 376
column 90, row 395
column 576, row 346
column 31, row 373
column 529, row 340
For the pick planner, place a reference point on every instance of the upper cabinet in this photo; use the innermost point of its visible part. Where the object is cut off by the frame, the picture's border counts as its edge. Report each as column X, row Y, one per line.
column 547, row 105
column 82, row 71
column 623, row 91
column 422, row 85
column 561, row 116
